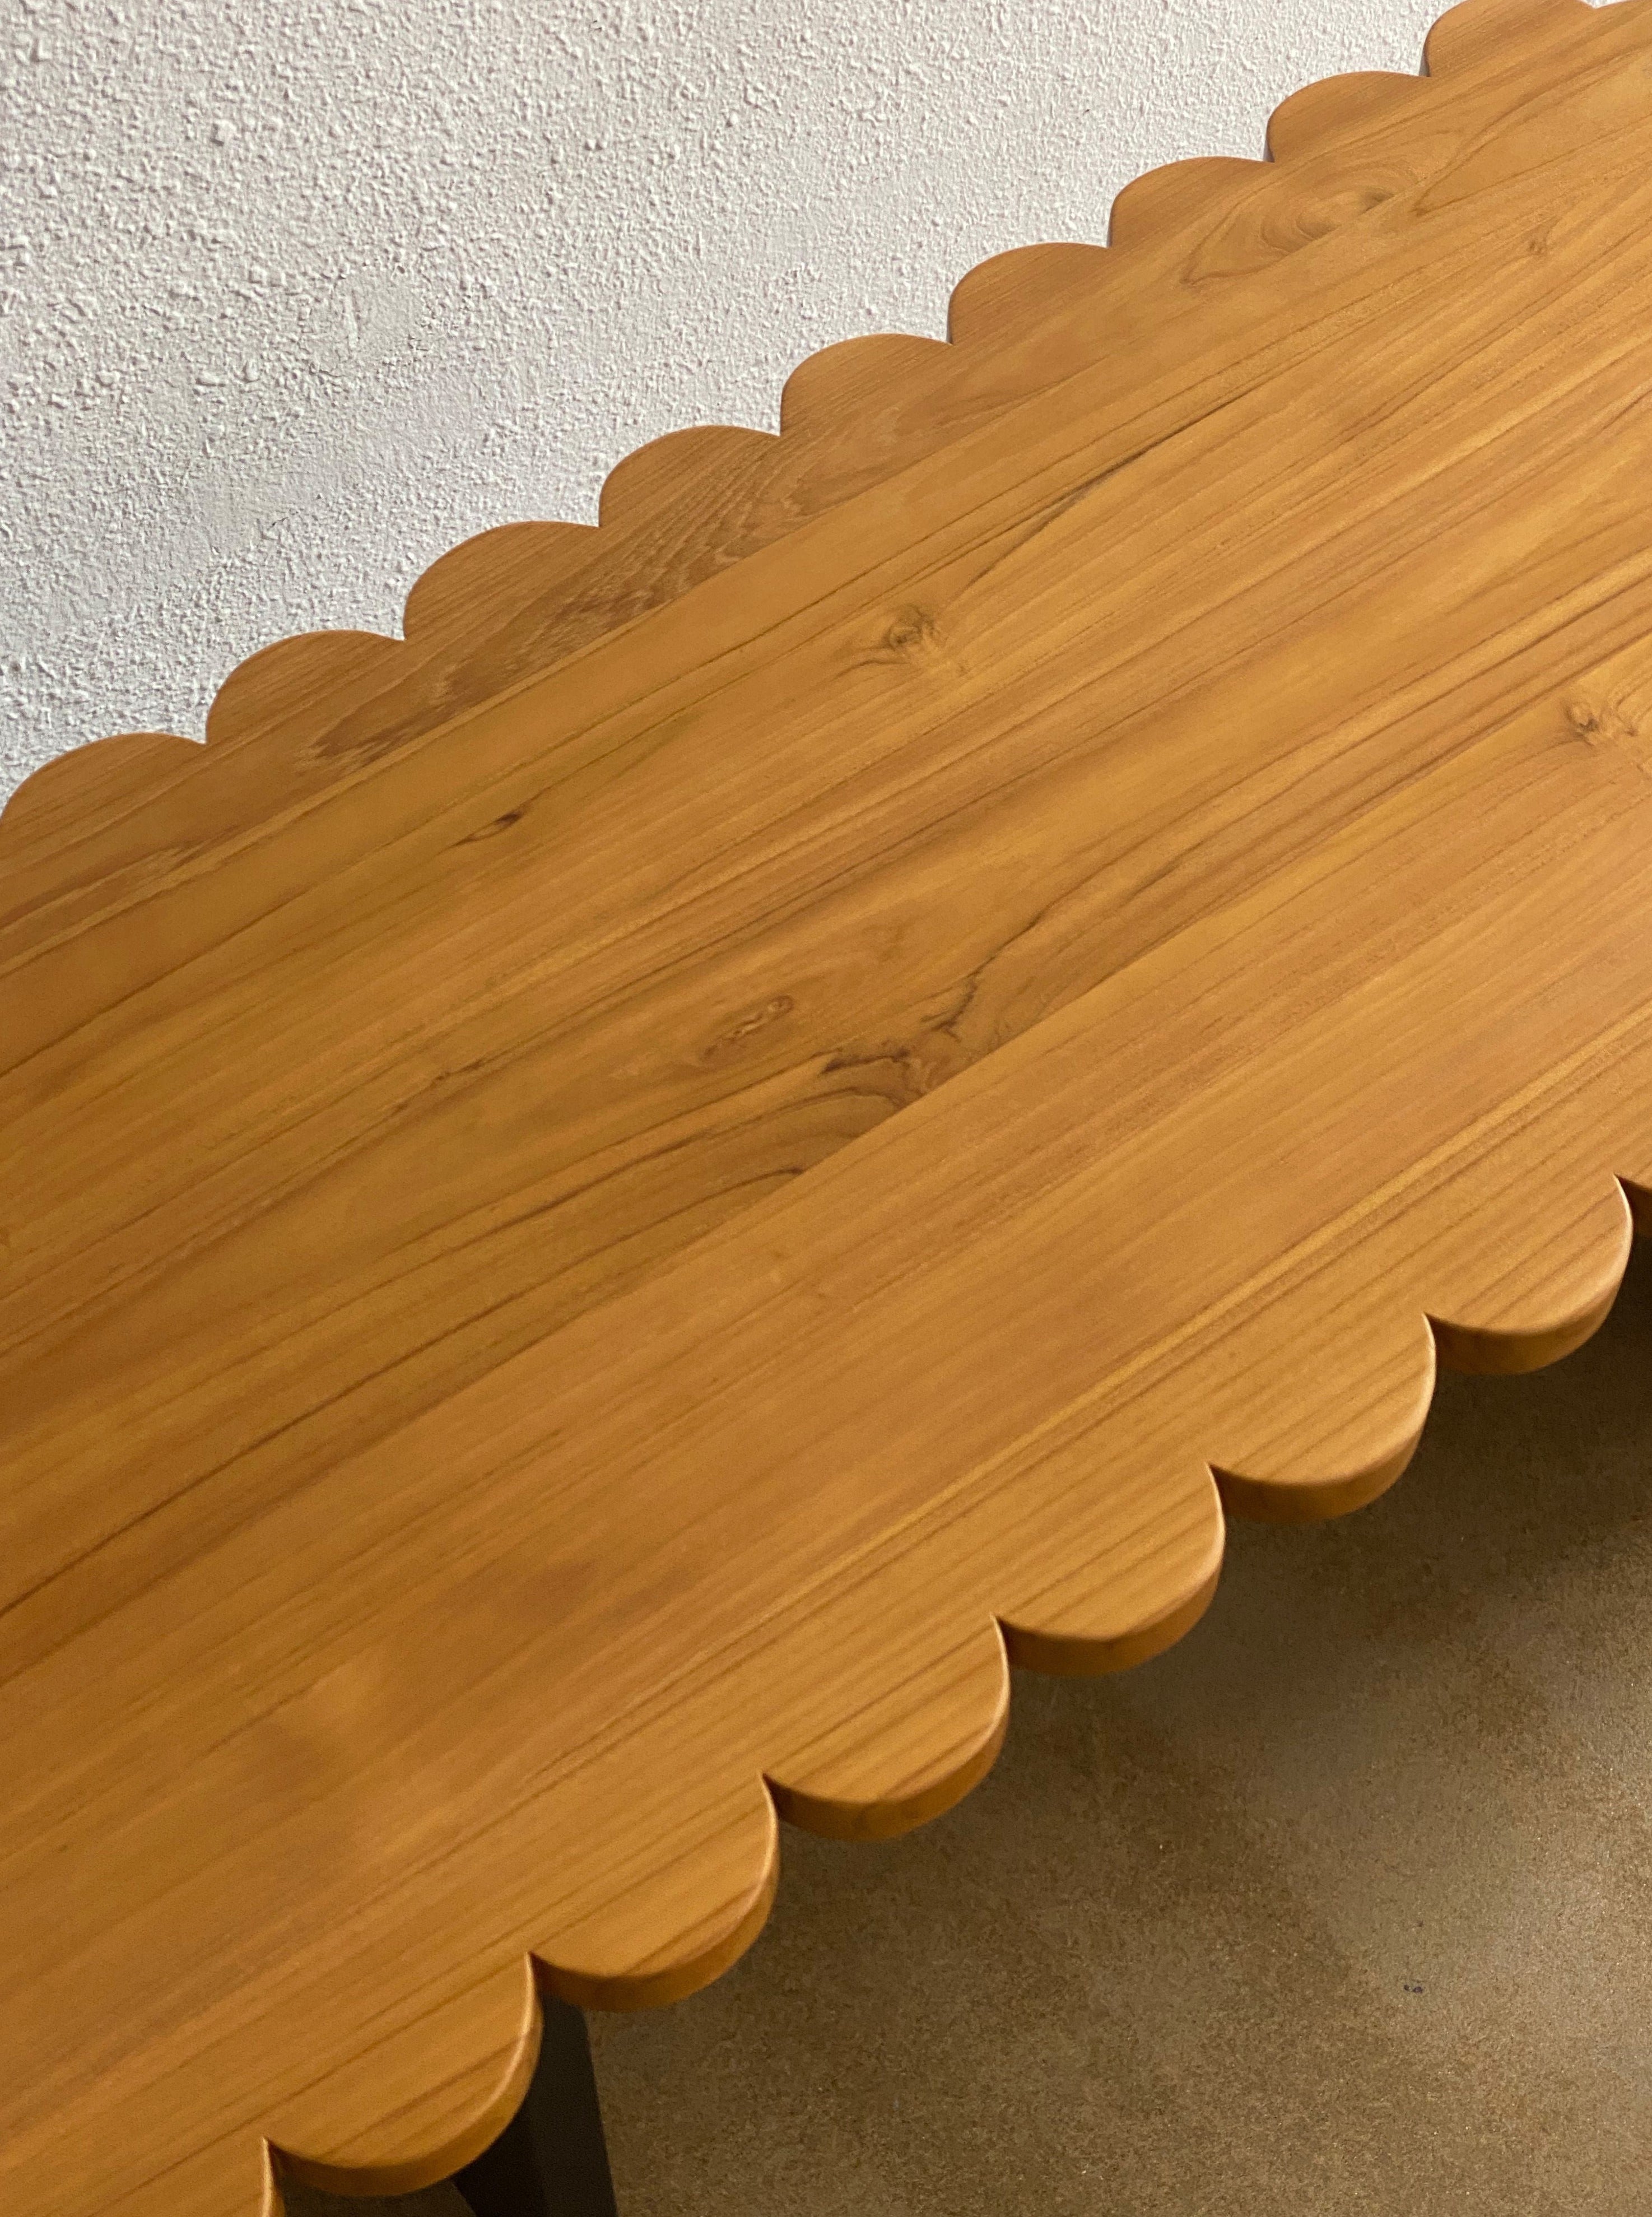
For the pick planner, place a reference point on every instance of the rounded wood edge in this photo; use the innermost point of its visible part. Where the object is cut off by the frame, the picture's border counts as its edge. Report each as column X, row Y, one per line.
column 1511, row 1355
column 1639, row 1197
column 1055, row 1655
column 275, row 2201
column 1493, row 1351
column 1313, row 1501
column 839, row 1818
column 1009, row 293
column 442, row 597
column 828, row 388
column 1477, row 30
column 678, row 464
column 120, row 771
column 673, row 1981
column 1302, row 123
column 440, row 2158
column 888, row 1820
column 280, row 683
column 1162, row 202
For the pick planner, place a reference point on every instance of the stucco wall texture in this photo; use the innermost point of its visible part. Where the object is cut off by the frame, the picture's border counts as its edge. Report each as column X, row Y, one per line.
column 294, row 295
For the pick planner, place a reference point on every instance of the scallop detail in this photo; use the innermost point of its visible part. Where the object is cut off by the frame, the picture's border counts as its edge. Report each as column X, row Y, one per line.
column 826, row 392
column 1528, row 1271
column 694, row 464
column 512, row 602
column 381, row 2125
column 1166, row 202
column 663, row 1941
column 1511, row 1243
column 1098, row 1585
column 1362, row 1367
column 1005, row 297
column 1321, row 113
column 1480, row 31
column 910, row 1727
column 297, row 685
column 508, row 566
column 1503, row 1264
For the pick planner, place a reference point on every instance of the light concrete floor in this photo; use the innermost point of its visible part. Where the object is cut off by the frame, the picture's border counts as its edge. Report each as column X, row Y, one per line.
column 1342, row 1909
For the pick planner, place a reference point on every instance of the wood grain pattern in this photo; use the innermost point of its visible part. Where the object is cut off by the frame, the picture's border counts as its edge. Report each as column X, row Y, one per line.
column 598, row 1270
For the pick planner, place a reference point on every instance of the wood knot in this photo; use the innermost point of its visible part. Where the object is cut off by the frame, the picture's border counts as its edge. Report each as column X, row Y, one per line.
column 908, row 637
column 729, row 1044
column 1614, row 724
column 913, row 630
column 500, row 824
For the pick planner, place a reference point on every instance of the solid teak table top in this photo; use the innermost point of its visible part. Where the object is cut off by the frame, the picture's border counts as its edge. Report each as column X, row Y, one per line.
column 608, row 1208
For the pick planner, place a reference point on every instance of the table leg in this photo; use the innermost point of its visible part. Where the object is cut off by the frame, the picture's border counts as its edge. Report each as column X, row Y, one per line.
column 552, row 2159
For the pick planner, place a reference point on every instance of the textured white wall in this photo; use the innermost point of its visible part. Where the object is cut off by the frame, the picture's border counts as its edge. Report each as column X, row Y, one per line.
column 295, row 293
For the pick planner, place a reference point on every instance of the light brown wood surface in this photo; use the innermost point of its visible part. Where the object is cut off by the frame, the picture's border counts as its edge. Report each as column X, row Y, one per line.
column 582, row 1272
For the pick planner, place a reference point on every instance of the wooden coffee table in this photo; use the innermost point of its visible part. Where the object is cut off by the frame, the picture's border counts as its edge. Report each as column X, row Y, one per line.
column 608, row 1210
